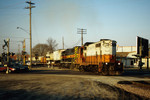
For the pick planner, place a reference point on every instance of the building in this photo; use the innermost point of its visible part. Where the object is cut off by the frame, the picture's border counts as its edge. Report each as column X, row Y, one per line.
column 126, row 54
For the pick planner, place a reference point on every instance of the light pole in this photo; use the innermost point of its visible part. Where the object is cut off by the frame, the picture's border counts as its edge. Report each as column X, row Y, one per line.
column 30, row 45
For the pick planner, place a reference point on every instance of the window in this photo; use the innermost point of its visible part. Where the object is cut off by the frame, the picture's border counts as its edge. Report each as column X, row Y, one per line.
column 98, row 45
column 47, row 56
column 131, row 62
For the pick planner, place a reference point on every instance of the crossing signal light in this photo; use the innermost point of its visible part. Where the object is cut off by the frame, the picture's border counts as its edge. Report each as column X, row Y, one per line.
column 23, row 52
column 12, row 54
column 3, row 54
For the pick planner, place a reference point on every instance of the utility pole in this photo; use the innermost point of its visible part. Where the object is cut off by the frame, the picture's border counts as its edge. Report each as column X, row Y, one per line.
column 7, row 56
column 24, row 51
column 148, row 59
column 63, row 42
column 30, row 7
column 19, row 52
column 82, row 31
column 140, row 65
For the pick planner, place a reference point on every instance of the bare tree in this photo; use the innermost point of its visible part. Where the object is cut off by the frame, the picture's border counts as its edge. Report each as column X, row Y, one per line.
column 51, row 45
column 40, row 49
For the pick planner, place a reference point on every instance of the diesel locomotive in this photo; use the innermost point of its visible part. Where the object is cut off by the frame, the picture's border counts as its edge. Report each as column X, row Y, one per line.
column 97, row 57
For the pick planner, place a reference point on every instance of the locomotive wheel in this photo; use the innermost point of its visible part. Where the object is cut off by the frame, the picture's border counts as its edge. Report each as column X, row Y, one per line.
column 118, row 73
column 81, row 69
column 105, row 73
column 77, row 67
column 71, row 66
column 105, row 70
column 112, row 70
column 112, row 73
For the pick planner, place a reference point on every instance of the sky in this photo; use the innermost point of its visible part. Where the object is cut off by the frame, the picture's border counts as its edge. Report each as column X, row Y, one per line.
column 120, row 20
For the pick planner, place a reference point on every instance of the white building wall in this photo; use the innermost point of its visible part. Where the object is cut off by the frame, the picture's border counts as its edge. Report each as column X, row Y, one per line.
column 144, row 60
column 126, row 48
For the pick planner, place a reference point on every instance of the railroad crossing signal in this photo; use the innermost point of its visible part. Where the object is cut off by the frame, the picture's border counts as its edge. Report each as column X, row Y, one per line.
column 6, row 43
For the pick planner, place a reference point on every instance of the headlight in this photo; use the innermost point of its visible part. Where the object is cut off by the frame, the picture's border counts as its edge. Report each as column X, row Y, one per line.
column 118, row 63
column 13, row 69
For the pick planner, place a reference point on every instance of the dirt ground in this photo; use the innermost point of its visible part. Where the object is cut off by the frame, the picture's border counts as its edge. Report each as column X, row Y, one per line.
column 56, row 84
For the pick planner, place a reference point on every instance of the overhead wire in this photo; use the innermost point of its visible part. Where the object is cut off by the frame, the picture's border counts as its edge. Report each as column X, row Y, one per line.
column 79, row 40
column 12, row 5
column 13, row 37
column 36, row 33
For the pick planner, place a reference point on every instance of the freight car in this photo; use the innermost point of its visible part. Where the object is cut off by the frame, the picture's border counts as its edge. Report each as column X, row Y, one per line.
column 99, row 57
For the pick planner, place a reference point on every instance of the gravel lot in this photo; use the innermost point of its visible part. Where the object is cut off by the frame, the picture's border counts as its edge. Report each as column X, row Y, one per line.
column 63, row 84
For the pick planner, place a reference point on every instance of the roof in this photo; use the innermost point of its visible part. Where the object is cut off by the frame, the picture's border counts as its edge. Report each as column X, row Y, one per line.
column 122, row 54
column 127, row 54
column 104, row 39
column 88, row 43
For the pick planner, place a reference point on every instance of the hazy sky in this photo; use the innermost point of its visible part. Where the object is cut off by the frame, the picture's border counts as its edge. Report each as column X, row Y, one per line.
column 120, row 20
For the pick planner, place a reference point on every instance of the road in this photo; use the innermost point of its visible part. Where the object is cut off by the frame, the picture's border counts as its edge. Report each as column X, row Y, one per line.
column 63, row 84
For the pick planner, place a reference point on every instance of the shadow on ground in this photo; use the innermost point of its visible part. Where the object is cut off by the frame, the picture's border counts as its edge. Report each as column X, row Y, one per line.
column 44, row 70
column 22, row 94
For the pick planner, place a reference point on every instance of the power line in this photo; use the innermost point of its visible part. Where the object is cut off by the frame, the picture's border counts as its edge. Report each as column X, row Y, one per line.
column 77, row 42
column 35, row 29
column 63, row 42
column 15, row 37
column 12, row 5
column 73, row 44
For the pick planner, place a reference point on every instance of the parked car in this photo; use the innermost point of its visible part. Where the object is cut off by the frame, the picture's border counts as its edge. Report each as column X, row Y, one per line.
column 3, row 68
column 14, row 68
column 11, row 68
column 28, row 63
column 23, row 67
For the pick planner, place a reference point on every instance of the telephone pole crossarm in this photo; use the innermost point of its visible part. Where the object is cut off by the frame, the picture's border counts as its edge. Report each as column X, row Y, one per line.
column 81, row 31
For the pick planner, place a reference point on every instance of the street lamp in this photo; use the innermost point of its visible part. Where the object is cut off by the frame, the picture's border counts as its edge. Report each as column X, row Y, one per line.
column 30, row 45
column 23, row 29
